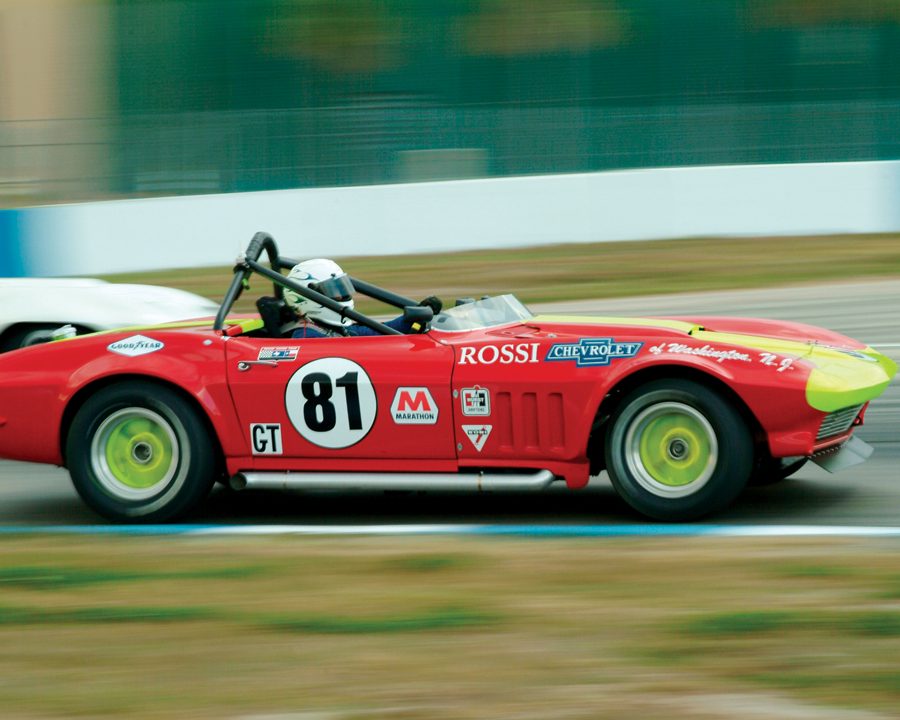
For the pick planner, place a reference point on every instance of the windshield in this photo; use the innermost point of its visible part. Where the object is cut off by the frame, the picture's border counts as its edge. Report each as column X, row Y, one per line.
column 485, row 313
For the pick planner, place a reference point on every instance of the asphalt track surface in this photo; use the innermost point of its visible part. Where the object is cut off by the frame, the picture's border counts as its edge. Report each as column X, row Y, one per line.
column 866, row 495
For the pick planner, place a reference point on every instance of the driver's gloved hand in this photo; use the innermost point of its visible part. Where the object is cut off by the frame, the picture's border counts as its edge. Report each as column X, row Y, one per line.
column 433, row 302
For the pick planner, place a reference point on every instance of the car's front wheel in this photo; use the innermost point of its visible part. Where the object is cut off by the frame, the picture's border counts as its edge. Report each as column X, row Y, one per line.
column 677, row 450
column 139, row 452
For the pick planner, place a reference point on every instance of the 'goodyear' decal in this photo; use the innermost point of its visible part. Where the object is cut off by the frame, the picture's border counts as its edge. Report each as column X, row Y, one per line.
column 135, row 345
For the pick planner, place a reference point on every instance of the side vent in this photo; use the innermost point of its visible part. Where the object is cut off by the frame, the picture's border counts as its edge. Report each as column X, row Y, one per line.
column 529, row 423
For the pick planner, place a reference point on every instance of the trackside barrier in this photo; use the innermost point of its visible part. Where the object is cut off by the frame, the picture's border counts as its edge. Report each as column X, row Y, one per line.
column 748, row 200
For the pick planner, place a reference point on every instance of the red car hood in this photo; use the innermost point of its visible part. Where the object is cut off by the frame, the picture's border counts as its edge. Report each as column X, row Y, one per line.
column 781, row 329
column 727, row 327
column 844, row 371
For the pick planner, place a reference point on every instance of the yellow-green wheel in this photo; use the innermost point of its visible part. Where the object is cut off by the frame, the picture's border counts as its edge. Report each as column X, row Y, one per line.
column 677, row 450
column 141, row 452
column 135, row 452
column 671, row 449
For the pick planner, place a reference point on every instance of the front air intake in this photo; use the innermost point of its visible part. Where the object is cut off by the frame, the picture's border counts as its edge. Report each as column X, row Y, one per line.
column 838, row 422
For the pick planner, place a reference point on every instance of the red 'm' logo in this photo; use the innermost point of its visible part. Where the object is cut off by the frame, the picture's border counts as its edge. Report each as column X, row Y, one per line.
column 409, row 402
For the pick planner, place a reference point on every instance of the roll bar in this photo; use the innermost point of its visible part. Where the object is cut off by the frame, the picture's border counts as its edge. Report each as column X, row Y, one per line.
column 377, row 293
column 247, row 264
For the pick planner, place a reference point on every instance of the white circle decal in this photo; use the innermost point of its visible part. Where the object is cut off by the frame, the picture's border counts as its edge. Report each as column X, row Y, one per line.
column 331, row 402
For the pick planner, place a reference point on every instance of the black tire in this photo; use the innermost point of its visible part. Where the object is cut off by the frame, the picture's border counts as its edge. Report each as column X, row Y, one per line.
column 139, row 452
column 769, row 470
column 676, row 450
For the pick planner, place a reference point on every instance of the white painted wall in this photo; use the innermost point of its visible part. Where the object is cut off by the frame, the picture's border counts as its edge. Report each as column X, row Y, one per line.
column 800, row 199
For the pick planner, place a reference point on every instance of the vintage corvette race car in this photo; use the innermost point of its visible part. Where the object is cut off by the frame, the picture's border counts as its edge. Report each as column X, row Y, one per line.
column 681, row 412
column 32, row 308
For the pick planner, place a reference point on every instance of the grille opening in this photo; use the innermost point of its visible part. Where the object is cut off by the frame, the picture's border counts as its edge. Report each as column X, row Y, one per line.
column 838, row 422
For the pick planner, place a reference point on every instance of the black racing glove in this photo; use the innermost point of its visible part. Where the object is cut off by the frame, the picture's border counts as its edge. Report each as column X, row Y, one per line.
column 433, row 302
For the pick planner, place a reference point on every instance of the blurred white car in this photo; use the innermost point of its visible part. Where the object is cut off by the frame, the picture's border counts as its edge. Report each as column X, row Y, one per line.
column 32, row 308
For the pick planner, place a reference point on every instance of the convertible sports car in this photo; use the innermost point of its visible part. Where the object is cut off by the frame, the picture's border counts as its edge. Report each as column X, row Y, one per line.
column 682, row 413
column 31, row 308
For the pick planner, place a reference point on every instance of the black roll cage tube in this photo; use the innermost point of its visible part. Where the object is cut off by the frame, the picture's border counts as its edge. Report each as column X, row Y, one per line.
column 248, row 264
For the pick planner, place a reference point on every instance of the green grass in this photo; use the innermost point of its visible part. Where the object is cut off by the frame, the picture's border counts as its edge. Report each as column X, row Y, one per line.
column 427, row 564
column 875, row 623
column 444, row 627
column 815, row 571
column 592, row 270
column 442, row 619
column 96, row 615
column 56, row 578
column 879, row 681
column 891, row 591
column 49, row 578
column 745, row 623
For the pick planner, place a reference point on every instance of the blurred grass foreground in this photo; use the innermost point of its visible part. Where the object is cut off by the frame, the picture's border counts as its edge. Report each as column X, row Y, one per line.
column 448, row 628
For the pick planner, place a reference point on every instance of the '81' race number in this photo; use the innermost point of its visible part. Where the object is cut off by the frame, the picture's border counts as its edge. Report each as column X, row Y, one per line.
column 331, row 402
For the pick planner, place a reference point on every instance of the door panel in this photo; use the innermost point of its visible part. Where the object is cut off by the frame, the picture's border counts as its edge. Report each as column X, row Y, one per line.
column 370, row 397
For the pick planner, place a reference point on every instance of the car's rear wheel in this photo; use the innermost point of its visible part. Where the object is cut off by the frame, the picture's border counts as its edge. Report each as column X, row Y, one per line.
column 139, row 452
column 677, row 450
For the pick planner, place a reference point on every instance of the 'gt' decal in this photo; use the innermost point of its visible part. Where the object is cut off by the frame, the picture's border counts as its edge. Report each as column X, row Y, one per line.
column 265, row 438
column 593, row 352
column 331, row 402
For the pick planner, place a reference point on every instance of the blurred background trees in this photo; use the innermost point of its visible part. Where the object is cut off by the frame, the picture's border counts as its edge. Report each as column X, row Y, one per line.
column 122, row 98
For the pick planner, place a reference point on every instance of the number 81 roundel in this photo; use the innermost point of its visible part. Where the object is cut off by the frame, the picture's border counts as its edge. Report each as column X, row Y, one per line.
column 331, row 402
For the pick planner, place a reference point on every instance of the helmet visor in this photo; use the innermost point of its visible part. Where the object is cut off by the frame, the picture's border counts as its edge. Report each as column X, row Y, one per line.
column 337, row 288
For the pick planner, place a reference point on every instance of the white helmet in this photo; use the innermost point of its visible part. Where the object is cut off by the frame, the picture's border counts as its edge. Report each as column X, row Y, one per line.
column 324, row 276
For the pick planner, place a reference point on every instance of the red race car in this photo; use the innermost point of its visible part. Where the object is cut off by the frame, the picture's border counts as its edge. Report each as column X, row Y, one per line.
column 483, row 396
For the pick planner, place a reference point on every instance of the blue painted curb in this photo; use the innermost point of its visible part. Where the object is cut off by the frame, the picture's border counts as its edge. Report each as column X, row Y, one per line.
column 525, row 531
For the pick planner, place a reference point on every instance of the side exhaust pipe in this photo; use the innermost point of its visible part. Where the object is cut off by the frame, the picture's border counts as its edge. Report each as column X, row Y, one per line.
column 438, row 482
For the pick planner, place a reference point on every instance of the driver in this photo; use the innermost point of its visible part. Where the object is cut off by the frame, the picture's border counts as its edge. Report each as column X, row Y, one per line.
column 327, row 277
